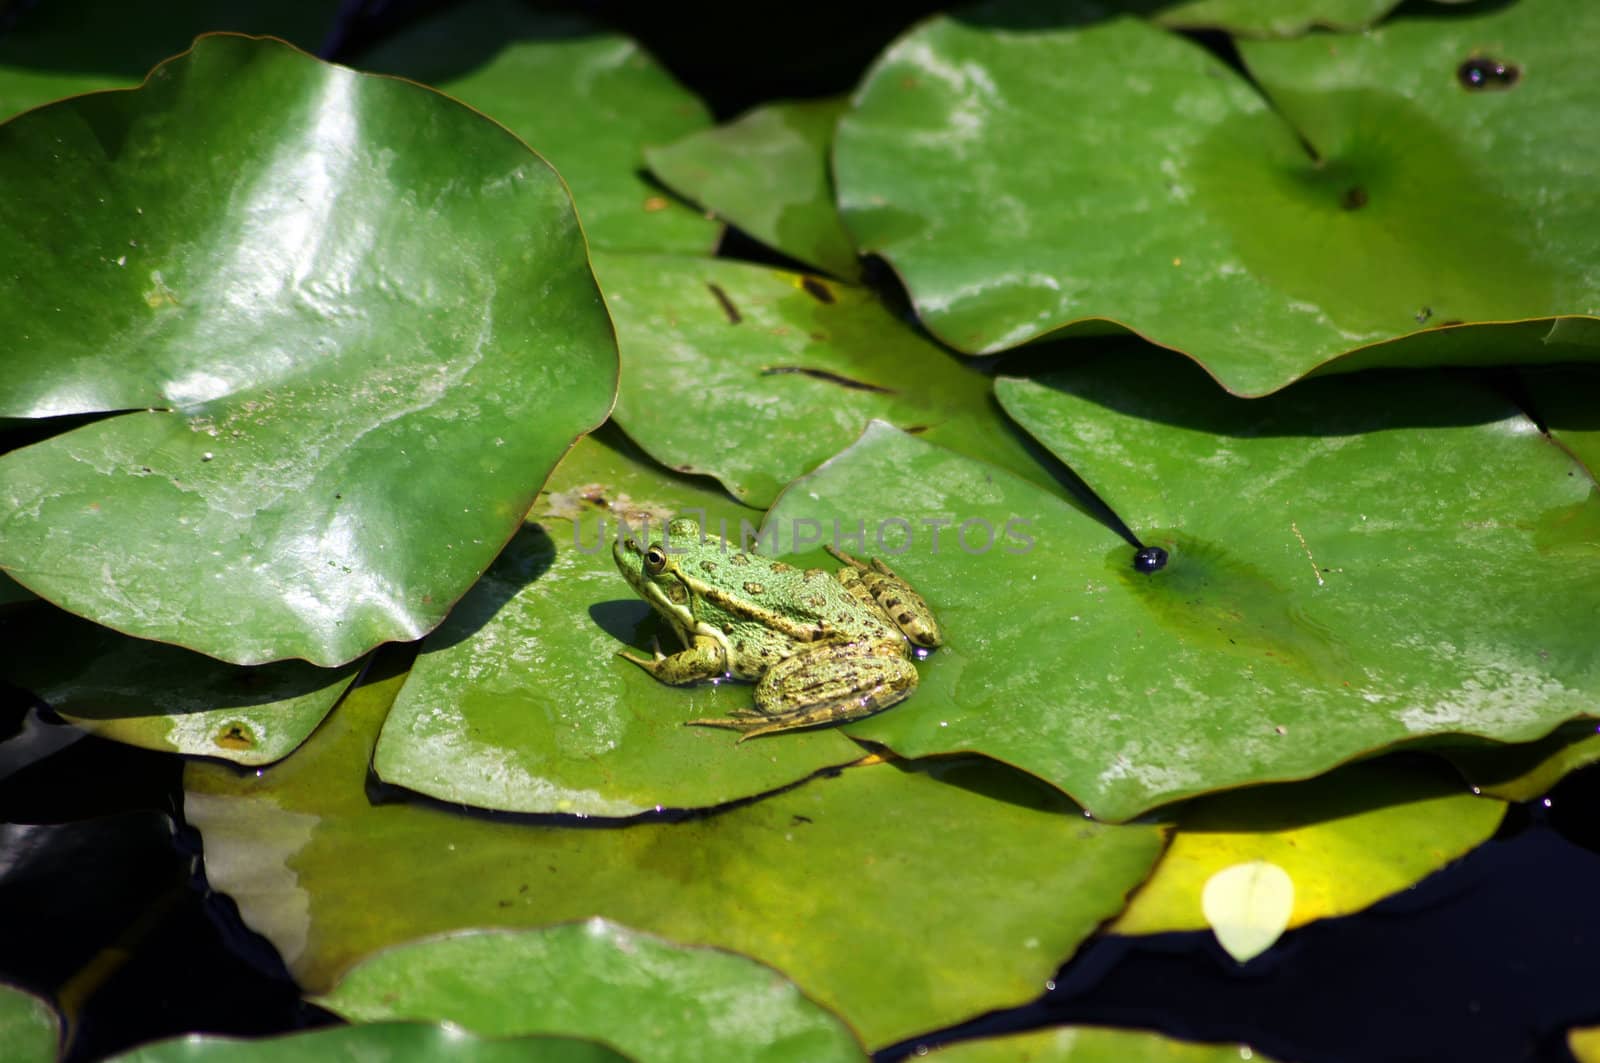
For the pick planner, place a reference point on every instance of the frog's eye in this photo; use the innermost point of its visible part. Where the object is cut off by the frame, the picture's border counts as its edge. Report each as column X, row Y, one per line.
column 655, row 560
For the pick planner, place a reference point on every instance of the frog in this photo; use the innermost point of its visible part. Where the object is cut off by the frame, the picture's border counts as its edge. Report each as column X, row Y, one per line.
column 821, row 647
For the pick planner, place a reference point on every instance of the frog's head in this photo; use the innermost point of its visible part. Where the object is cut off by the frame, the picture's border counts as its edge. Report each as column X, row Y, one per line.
column 652, row 570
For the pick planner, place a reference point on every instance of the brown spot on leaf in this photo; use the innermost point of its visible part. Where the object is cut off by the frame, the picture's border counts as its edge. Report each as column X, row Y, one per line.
column 729, row 311
column 816, row 289
column 828, row 375
column 235, row 735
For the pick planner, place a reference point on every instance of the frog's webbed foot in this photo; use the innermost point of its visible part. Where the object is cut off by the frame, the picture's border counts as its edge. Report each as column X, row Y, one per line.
column 706, row 659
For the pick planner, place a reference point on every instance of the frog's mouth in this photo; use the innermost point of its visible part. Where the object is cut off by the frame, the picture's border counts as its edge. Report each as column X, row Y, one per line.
column 629, row 555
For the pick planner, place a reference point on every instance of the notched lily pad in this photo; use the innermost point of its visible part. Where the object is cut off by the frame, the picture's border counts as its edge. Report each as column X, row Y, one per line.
column 519, row 701
column 798, row 881
column 586, row 99
column 162, row 697
column 1307, row 615
column 346, row 396
column 767, row 172
column 647, row 997
column 1026, row 173
column 754, row 375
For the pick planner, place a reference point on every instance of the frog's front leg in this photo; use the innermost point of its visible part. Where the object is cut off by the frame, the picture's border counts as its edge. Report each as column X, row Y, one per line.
column 706, row 658
column 827, row 684
column 877, row 586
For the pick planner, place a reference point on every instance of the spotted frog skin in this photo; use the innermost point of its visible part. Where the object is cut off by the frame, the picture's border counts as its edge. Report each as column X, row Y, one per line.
column 822, row 647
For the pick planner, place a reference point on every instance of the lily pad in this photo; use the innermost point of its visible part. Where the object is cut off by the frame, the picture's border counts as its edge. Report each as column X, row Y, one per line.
column 519, row 701
column 67, row 47
column 1531, row 769
column 1278, row 18
column 1346, row 840
column 838, row 883
column 588, row 100
column 1584, row 1043
column 1024, row 173
column 1306, row 617
column 645, row 996
column 1567, row 401
column 346, row 398
column 754, row 375
column 155, row 696
column 1092, row 1044
column 767, row 172
column 388, row 1042
column 29, row 1029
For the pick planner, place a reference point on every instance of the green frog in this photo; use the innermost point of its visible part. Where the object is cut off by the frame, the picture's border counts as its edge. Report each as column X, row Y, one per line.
column 822, row 647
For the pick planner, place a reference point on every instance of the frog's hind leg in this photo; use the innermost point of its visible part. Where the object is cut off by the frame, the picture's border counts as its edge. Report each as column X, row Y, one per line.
column 826, row 686
column 880, row 588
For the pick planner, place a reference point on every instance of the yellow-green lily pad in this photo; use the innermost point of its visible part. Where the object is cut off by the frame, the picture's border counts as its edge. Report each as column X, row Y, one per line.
column 162, row 697
column 587, row 99
column 1346, row 840
column 30, row 1032
column 755, row 375
column 767, row 172
column 1091, row 1044
column 656, row 1001
column 1028, row 169
column 1308, row 614
column 519, row 701
column 840, row 883
column 1528, row 770
column 338, row 399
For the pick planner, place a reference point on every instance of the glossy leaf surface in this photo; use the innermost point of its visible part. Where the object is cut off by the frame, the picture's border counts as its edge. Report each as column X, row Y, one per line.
column 754, row 375
column 1346, row 840
column 389, row 1042
column 1026, row 169
column 29, row 1029
column 1302, row 620
column 590, row 101
column 347, row 389
column 647, row 997
column 838, row 883
column 156, row 696
column 767, row 172
column 519, row 701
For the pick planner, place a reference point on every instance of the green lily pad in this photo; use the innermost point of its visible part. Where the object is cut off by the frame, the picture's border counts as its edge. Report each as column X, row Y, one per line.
column 66, row 47
column 1530, row 769
column 1306, row 617
column 653, row 1000
column 1092, row 1044
column 519, row 701
column 161, row 697
column 1346, row 840
column 388, row 1042
column 1278, row 18
column 838, row 883
column 346, row 398
column 754, row 375
column 588, row 100
column 29, row 1029
column 1025, row 174
column 767, row 173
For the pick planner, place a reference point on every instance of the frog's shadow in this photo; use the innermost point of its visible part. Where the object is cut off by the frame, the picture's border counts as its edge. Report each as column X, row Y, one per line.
column 620, row 618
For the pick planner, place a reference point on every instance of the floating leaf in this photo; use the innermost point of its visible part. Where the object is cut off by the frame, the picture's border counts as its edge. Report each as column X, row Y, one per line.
column 1091, row 1044
column 1308, row 615
column 1528, row 770
column 363, row 346
column 1276, row 19
column 520, row 702
column 1248, row 907
column 1585, row 1044
column 587, row 100
column 1347, row 839
column 67, row 47
column 767, row 173
column 29, row 1029
column 653, row 1000
column 1026, row 171
column 155, row 696
column 753, row 375
column 389, row 1042
column 839, row 883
